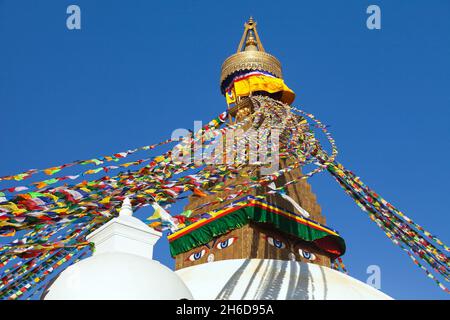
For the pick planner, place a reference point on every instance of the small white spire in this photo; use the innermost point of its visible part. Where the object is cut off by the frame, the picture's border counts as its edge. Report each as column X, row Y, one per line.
column 127, row 209
column 125, row 233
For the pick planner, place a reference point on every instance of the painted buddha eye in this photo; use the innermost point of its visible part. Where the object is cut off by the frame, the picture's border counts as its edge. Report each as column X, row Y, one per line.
column 226, row 243
column 276, row 243
column 307, row 255
column 197, row 255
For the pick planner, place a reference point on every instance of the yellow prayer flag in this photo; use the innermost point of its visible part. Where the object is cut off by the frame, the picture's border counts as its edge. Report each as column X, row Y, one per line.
column 105, row 200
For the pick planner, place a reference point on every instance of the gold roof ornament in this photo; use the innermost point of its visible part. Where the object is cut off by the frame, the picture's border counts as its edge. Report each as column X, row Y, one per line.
column 250, row 55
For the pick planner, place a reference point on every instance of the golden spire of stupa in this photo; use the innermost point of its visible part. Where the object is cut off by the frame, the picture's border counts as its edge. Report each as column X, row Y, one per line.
column 253, row 42
column 250, row 55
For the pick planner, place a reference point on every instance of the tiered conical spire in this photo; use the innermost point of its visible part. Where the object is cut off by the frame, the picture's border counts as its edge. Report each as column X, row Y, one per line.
column 250, row 37
column 250, row 55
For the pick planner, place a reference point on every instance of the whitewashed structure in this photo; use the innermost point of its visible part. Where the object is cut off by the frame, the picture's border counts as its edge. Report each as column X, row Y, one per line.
column 268, row 279
column 121, row 267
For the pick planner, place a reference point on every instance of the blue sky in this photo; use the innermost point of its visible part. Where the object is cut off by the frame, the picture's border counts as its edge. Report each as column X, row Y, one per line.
column 139, row 69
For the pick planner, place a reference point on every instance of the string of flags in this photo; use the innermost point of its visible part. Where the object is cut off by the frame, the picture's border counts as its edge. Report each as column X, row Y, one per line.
column 339, row 265
column 48, row 221
column 400, row 229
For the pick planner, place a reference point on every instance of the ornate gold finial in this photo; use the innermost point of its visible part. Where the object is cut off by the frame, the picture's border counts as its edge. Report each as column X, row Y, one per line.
column 250, row 55
column 249, row 33
column 251, row 44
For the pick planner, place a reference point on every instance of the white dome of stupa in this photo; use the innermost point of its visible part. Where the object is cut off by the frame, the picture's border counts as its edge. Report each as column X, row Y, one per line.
column 121, row 267
column 267, row 279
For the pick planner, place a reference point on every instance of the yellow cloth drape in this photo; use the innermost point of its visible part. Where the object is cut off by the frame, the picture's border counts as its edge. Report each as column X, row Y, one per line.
column 246, row 86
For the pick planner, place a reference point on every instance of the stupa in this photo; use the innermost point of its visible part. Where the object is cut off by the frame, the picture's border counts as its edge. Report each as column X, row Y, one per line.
column 255, row 246
column 275, row 247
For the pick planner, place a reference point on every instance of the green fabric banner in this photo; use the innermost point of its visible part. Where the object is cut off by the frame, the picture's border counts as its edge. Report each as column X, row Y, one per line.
column 241, row 217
